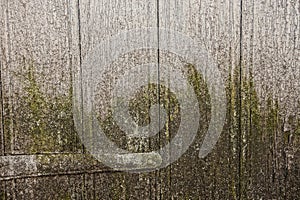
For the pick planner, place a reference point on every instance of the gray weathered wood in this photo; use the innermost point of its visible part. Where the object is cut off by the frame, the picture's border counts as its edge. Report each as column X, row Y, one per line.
column 270, row 54
column 44, row 46
column 216, row 25
column 98, row 21
column 36, row 76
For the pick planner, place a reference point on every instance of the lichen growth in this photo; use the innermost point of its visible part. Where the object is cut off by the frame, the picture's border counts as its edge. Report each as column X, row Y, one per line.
column 47, row 121
column 139, row 107
column 261, row 130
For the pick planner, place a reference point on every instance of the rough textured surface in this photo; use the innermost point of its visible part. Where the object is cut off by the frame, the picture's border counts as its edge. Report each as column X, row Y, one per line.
column 256, row 47
column 36, row 75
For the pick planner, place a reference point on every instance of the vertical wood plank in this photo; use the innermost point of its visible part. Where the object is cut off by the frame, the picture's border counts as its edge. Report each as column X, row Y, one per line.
column 5, row 57
column 37, row 83
column 100, row 20
column 271, row 77
column 217, row 26
column 3, row 60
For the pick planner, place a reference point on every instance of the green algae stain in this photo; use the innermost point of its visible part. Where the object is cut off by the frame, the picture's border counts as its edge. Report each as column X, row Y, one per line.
column 36, row 104
column 139, row 107
column 46, row 120
column 51, row 128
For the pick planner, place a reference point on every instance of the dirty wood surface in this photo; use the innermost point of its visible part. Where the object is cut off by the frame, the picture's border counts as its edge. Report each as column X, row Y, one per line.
column 44, row 47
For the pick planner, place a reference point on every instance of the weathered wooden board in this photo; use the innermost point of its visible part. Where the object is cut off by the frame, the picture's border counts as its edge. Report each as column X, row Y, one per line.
column 47, row 188
column 216, row 26
column 270, row 103
column 3, row 35
column 36, row 76
column 45, row 49
column 98, row 21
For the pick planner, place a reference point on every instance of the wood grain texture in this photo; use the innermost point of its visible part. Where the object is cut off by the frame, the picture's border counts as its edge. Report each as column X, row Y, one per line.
column 98, row 21
column 3, row 35
column 44, row 47
column 270, row 69
column 37, row 78
column 216, row 26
